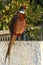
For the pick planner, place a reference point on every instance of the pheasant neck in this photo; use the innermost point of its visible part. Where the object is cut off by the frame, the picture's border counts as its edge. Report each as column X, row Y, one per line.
column 21, row 12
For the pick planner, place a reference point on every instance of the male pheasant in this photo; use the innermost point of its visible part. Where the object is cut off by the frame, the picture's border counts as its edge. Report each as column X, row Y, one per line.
column 17, row 27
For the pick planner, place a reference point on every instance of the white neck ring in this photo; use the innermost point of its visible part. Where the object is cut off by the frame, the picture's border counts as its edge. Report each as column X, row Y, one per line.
column 21, row 12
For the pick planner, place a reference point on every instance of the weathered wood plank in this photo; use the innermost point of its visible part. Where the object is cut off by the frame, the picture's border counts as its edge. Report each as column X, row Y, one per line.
column 4, row 32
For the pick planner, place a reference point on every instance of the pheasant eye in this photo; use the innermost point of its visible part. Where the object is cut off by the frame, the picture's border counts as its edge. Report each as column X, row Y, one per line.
column 24, row 7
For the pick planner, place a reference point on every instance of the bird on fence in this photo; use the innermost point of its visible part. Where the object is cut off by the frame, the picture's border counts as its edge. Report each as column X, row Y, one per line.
column 17, row 27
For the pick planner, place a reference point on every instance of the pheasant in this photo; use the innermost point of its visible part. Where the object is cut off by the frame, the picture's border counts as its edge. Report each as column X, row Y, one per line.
column 17, row 27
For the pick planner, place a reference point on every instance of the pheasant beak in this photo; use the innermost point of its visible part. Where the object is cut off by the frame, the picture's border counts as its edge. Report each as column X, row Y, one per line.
column 26, row 7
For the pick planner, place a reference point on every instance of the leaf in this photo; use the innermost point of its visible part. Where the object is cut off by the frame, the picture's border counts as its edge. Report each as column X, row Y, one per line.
column 1, row 6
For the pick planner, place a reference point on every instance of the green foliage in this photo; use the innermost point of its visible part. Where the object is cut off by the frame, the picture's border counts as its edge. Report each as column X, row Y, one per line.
column 34, row 15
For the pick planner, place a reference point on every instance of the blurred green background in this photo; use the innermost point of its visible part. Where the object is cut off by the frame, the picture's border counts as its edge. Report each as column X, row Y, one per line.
column 34, row 16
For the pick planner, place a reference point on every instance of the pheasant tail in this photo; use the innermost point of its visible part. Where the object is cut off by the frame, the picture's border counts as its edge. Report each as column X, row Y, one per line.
column 13, row 38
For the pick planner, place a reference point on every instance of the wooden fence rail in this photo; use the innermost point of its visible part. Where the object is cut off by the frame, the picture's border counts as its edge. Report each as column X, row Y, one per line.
column 5, row 36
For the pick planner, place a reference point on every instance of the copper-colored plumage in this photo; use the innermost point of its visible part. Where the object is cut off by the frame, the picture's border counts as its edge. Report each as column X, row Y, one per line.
column 17, row 27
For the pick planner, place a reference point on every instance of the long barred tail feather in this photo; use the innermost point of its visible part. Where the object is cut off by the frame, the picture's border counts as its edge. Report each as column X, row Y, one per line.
column 13, row 38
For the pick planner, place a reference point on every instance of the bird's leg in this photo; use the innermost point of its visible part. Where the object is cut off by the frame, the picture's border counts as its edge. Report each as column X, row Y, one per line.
column 13, row 38
column 19, row 38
